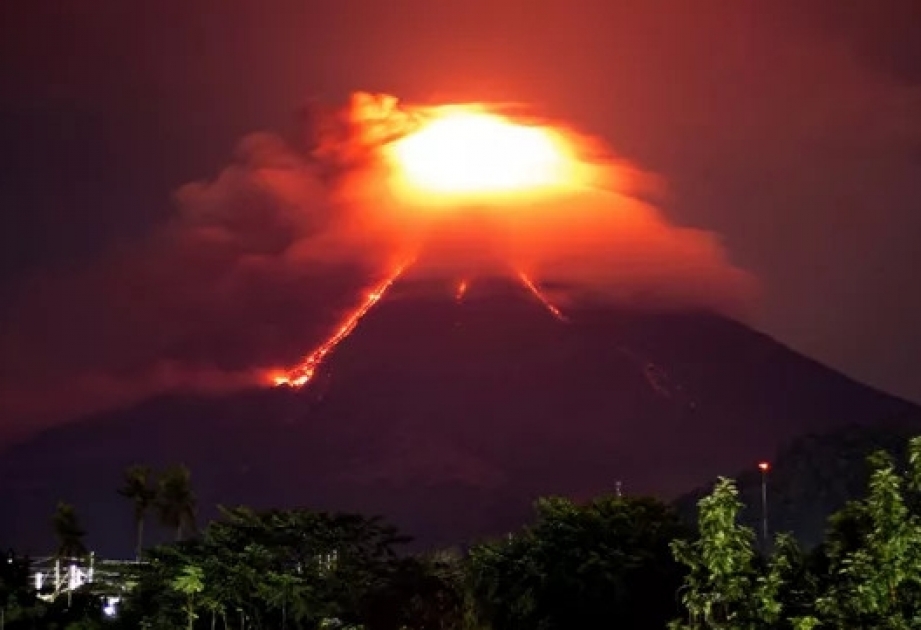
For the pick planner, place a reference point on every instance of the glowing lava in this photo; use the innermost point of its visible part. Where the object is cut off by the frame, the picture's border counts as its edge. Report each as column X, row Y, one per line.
column 529, row 284
column 465, row 150
column 461, row 290
column 304, row 372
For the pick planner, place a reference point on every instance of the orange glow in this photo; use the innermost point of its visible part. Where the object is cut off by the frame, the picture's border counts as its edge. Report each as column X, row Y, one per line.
column 465, row 150
column 304, row 372
column 764, row 466
column 529, row 284
column 461, row 290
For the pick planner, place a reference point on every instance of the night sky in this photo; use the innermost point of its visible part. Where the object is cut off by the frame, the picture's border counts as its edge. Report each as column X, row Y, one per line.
column 792, row 130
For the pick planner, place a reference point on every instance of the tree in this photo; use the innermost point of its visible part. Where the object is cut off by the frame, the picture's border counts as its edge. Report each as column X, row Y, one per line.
column 190, row 583
column 864, row 575
column 874, row 552
column 605, row 563
column 16, row 595
column 418, row 592
column 68, row 532
column 276, row 568
column 280, row 590
column 138, row 489
column 175, row 500
column 725, row 588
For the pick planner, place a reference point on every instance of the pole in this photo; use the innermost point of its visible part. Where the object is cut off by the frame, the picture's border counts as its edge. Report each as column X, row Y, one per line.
column 765, row 532
column 764, row 513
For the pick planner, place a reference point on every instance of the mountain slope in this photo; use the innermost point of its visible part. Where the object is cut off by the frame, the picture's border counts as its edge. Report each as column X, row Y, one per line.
column 451, row 416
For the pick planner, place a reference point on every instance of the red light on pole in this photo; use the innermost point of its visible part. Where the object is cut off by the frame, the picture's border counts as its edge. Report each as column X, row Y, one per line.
column 764, row 466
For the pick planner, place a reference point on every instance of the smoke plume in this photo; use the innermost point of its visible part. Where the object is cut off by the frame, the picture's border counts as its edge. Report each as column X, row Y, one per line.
column 258, row 263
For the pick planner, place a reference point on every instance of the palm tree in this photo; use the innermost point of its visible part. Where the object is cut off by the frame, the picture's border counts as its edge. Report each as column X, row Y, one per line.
column 176, row 501
column 139, row 490
column 70, row 536
column 68, row 532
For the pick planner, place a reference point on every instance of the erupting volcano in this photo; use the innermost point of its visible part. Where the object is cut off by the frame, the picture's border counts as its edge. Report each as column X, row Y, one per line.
column 530, row 325
column 453, row 157
column 474, row 190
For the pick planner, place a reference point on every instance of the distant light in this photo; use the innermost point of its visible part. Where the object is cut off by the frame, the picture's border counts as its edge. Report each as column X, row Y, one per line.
column 110, row 609
column 764, row 466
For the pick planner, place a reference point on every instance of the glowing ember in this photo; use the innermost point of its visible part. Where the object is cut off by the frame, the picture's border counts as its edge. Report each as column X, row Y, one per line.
column 303, row 373
column 527, row 282
column 469, row 151
column 461, row 290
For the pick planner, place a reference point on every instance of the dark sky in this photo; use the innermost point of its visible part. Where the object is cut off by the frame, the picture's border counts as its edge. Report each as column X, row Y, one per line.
column 791, row 129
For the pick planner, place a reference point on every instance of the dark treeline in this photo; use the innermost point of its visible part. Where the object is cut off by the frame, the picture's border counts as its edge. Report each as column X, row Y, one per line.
column 616, row 562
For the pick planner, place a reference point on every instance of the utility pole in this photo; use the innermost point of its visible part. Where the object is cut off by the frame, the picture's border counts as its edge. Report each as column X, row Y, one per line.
column 764, row 467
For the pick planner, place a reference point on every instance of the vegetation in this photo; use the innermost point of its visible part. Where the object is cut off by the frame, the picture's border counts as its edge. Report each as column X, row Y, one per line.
column 68, row 532
column 175, row 501
column 605, row 563
column 137, row 488
column 618, row 562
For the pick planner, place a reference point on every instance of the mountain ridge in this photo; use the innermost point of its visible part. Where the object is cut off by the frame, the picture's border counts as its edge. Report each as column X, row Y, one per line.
column 451, row 416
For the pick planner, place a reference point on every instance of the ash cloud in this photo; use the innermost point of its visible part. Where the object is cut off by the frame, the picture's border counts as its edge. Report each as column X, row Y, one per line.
column 258, row 264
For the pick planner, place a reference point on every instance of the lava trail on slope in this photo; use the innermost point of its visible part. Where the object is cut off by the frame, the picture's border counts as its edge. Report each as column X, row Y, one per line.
column 304, row 372
column 536, row 292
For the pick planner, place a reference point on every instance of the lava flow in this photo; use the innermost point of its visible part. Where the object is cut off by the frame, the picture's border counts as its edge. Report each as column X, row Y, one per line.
column 304, row 372
column 461, row 290
column 529, row 284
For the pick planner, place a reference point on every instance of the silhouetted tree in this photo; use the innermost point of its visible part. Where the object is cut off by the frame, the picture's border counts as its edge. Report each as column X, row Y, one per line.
column 607, row 563
column 175, row 500
column 139, row 490
column 68, row 532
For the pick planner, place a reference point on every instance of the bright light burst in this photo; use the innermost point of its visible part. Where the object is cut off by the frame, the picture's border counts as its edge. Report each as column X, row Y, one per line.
column 467, row 151
column 457, row 154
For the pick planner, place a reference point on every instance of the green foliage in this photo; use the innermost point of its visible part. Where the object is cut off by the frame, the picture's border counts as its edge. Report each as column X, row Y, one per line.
column 190, row 583
column 729, row 586
column 606, row 562
column 275, row 569
column 865, row 575
column 724, row 589
column 874, row 553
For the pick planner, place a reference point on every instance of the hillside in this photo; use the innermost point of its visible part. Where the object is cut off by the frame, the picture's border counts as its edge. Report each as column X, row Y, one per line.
column 450, row 417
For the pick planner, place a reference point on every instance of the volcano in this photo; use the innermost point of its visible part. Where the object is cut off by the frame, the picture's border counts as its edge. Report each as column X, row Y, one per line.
column 449, row 408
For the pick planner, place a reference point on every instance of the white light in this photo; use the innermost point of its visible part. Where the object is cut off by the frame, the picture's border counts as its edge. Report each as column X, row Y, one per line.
column 110, row 609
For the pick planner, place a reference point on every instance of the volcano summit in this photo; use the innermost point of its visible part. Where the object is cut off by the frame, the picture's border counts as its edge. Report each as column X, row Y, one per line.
column 450, row 410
